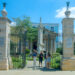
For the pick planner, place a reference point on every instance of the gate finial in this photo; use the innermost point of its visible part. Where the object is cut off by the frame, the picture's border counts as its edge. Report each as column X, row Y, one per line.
column 67, row 13
column 4, row 12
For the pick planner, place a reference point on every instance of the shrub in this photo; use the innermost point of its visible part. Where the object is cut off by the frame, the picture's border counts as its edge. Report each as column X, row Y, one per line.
column 27, row 51
column 59, row 50
column 55, row 61
column 17, row 61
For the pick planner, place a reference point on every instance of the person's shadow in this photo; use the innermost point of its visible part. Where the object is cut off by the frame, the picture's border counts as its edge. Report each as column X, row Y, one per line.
column 45, row 69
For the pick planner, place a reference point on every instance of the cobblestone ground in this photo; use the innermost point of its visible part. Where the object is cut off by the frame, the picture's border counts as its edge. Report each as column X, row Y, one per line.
column 39, row 71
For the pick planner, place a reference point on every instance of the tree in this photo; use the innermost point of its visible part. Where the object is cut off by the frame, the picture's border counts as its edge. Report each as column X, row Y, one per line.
column 21, row 25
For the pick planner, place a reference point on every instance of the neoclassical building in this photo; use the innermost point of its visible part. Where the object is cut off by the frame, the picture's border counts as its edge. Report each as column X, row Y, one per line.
column 47, row 39
column 50, row 41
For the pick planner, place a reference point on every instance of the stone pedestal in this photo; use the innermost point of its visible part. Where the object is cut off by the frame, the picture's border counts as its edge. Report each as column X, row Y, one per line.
column 68, row 64
column 4, row 43
column 4, row 64
column 68, row 61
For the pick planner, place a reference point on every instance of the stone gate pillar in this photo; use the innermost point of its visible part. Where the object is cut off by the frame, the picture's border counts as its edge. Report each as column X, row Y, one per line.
column 4, row 41
column 68, row 61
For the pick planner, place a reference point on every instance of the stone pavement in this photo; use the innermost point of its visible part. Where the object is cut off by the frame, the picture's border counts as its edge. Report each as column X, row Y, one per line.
column 29, row 66
column 23, row 72
column 39, row 71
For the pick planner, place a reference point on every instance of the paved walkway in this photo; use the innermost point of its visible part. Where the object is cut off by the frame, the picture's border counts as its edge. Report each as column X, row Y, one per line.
column 39, row 71
column 23, row 72
column 29, row 67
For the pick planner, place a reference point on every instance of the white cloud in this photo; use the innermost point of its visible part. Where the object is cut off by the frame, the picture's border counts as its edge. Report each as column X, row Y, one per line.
column 61, row 12
column 13, row 23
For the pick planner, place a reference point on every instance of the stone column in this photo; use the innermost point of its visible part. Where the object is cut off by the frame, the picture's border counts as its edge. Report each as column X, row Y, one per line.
column 40, row 38
column 68, row 44
column 51, row 46
column 46, row 45
column 5, row 60
column 4, row 43
column 68, row 61
column 54, row 45
column 48, row 42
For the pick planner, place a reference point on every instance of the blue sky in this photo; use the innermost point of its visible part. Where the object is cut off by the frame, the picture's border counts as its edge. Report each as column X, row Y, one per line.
column 50, row 10
column 35, row 8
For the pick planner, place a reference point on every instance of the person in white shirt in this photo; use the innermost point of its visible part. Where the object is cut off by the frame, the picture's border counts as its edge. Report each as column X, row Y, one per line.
column 48, row 60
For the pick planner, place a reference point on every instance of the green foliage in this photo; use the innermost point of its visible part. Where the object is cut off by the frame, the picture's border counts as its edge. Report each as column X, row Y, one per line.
column 31, row 59
column 32, row 34
column 55, row 61
column 21, row 25
column 12, row 47
column 27, row 51
column 56, row 54
column 17, row 62
column 19, row 30
column 59, row 50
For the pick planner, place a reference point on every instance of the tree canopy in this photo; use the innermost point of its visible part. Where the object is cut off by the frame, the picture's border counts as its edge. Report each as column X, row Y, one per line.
column 22, row 25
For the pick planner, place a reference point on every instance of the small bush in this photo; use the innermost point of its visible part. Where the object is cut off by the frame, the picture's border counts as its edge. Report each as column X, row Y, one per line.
column 59, row 50
column 31, row 59
column 27, row 51
column 17, row 62
column 55, row 61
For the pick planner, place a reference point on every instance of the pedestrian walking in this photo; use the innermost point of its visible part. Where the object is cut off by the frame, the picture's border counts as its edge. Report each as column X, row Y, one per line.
column 48, row 60
column 34, row 58
column 45, row 59
column 40, row 59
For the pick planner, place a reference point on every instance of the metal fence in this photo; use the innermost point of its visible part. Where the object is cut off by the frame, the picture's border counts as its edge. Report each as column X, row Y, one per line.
column 17, row 51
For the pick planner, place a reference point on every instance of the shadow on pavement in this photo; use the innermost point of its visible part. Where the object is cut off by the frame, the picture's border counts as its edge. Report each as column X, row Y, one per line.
column 44, row 69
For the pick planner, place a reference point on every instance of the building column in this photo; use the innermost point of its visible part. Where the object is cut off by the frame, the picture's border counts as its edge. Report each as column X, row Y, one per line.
column 49, row 43
column 46, row 46
column 54, row 50
column 51, row 46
